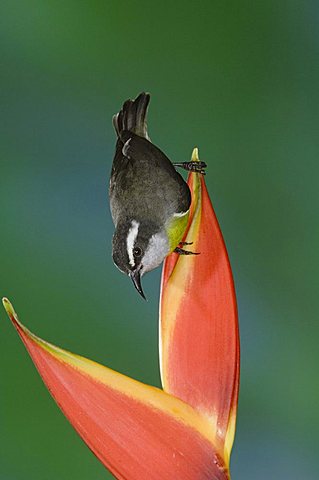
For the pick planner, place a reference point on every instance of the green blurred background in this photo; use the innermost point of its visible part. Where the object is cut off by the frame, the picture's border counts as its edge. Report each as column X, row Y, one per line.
column 239, row 80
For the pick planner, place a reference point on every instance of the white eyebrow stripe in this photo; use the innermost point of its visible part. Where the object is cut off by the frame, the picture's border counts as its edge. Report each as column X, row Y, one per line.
column 131, row 237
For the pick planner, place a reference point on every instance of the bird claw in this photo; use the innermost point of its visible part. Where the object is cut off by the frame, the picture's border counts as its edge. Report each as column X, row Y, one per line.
column 197, row 167
column 181, row 251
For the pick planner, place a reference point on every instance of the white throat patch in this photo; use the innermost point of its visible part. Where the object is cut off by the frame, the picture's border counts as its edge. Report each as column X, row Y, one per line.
column 157, row 250
column 131, row 237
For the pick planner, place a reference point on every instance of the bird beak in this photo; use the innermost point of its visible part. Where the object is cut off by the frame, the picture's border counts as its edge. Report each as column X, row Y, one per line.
column 136, row 279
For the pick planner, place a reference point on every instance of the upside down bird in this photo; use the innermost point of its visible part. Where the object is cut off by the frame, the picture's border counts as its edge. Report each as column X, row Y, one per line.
column 149, row 199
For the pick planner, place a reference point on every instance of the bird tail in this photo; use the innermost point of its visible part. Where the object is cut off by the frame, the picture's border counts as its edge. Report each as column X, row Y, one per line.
column 132, row 116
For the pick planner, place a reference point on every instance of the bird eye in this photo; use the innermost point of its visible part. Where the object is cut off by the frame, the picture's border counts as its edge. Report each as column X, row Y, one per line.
column 137, row 251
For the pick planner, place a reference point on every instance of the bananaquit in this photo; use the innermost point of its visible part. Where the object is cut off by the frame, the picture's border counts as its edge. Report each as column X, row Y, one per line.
column 149, row 199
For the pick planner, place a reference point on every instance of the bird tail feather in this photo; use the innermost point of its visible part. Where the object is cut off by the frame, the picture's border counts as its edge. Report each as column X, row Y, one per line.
column 132, row 116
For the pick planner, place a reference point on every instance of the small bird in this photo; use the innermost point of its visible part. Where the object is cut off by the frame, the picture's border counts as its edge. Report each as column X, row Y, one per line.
column 149, row 199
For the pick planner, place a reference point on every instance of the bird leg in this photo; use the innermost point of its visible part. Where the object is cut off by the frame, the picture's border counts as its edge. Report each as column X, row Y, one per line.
column 181, row 251
column 197, row 167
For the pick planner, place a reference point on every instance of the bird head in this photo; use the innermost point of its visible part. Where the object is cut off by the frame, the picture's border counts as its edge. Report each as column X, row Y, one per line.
column 138, row 247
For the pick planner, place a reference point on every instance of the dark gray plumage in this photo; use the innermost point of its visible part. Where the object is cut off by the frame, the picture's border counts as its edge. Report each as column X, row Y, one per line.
column 144, row 174
column 144, row 187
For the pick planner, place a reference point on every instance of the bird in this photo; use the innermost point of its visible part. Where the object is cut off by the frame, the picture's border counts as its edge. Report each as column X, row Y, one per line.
column 149, row 199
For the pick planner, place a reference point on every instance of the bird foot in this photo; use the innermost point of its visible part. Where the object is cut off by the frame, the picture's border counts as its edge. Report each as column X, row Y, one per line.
column 181, row 251
column 197, row 167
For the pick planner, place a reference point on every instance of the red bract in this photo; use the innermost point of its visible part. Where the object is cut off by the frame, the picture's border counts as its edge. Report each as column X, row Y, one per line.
column 199, row 326
column 185, row 431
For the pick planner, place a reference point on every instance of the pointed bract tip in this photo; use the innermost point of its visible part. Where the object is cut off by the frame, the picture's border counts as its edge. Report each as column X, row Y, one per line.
column 9, row 308
column 13, row 315
column 195, row 157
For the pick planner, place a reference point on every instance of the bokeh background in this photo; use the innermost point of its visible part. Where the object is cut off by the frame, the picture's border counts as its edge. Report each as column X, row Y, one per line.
column 239, row 80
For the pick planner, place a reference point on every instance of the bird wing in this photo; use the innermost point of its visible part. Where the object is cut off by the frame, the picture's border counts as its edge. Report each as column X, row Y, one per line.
column 155, row 172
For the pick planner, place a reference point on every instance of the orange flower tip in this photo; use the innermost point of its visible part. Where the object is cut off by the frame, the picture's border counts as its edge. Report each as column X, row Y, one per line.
column 9, row 309
column 13, row 316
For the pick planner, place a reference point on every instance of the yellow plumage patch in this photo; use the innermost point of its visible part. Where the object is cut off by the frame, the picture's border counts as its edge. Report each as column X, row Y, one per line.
column 175, row 229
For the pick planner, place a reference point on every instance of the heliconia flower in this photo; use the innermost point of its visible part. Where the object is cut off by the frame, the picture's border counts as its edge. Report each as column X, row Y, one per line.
column 199, row 341
column 185, row 431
